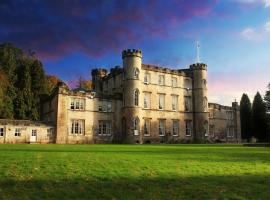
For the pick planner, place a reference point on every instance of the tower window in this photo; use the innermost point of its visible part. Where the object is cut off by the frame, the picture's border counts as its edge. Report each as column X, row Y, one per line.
column 136, row 73
column 136, row 126
column 206, row 129
column 205, row 104
column 136, row 97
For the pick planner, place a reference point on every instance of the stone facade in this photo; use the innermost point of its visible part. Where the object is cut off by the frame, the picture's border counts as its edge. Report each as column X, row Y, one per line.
column 25, row 131
column 140, row 103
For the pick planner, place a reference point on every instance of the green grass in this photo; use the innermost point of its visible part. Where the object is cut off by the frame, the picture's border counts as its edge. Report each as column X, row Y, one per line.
column 134, row 172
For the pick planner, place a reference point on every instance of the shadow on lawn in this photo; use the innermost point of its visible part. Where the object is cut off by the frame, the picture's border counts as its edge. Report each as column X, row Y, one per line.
column 212, row 187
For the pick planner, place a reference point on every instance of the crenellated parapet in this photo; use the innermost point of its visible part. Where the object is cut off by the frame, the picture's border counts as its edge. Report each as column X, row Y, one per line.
column 131, row 52
column 198, row 66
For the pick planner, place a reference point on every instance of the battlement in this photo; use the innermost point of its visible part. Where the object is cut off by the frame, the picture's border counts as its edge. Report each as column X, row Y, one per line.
column 99, row 72
column 198, row 66
column 131, row 52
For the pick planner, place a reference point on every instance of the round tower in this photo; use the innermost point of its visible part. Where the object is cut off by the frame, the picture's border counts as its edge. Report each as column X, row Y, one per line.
column 132, row 95
column 200, row 101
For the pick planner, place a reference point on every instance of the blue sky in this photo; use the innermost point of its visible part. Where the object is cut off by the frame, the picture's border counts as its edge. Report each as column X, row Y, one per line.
column 72, row 37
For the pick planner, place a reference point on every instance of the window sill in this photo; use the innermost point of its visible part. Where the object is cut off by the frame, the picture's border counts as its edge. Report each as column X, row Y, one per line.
column 188, row 135
column 148, row 135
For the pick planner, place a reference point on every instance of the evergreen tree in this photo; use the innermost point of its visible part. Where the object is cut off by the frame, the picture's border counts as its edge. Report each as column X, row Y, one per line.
column 39, row 86
column 9, row 60
column 245, row 117
column 24, row 100
column 259, row 121
column 267, row 98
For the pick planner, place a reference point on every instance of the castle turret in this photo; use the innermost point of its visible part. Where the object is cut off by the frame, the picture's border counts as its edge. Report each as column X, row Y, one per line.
column 97, row 75
column 132, row 96
column 200, row 101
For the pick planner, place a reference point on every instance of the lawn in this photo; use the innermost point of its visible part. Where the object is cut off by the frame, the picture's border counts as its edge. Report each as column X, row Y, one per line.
column 134, row 172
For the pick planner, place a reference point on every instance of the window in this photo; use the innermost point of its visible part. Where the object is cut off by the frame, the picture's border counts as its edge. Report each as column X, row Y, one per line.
column 146, row 100
column 136, row 73
column 77, row 127
column 146, row 127
column 17, row 132
column 174, row 102
column 161, row 101
column 161, row 127
column 174, row 82
column 104, row 127
column 229, row 115
column 212, row 130
column 34, row 132
column 188, row 128
column 205, row 106
column 205, row 127
column 230, row 131
column 211, row 112
column 204, row 82
column 161, row 79
column 136, row 125
column 105, row 106
column 77, row 104
column 175, row 128
column 187, row 84
column 187, row 103
column 49, row 132
column 136, row 97
column 146, row 79
column 1, row 132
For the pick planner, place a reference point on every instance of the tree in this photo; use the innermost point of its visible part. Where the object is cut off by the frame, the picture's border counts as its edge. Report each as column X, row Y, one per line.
column 84, row 84
column 259, row 121
column 267, row 98
column 245, row 117
column 9, row 60
column 24, row 99
column 39, row 86
column 23, row 81
column 53, row 81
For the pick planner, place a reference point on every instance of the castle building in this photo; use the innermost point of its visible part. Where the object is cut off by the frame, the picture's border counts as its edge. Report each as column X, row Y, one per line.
column 139, row 103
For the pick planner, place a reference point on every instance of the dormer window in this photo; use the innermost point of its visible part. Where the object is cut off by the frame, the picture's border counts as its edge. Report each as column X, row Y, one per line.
column 136, row 73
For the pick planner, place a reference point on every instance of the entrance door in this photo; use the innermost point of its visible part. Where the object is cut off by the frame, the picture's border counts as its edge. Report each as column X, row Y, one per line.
column 33, row 137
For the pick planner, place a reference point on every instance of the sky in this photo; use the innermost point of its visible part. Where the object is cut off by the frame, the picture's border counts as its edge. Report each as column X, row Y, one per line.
column 71, row 37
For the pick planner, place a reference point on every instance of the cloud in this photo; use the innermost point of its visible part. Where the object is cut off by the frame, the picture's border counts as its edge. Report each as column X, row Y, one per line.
column 257, row 34
column 56, row 28
column 266, row 3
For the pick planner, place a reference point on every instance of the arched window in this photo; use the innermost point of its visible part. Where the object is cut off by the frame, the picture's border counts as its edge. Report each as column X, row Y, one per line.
column 205, row 106
column 136, row 126
column 136, row 73
column 204, row 82
column 205, row 127
column 136, row 97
